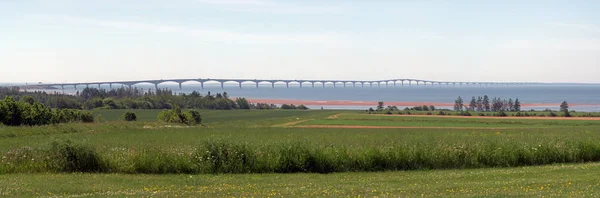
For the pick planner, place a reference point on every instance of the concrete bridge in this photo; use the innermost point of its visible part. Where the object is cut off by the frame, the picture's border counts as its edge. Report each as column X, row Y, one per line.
column 300, row 83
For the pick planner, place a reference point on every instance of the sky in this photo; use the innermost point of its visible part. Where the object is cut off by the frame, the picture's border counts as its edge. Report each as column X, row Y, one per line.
column 443, row 40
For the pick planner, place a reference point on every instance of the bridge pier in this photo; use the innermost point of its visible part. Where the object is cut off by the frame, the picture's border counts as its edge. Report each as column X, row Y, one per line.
column 201, row 85
column 300, row 84
column 394, row 83
column 272, row 85
column 180, row 86
column 409, row 83
column 222, row 87
column 257, row 85
column 323, row 83
column 155, row 86
column 287, row 85
column 110, row 85
column 313, row 84
column 240, row 83
column 98, row 86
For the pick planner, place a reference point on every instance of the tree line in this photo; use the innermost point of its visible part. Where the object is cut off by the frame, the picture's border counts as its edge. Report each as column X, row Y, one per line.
column 483, row 104
column 134, row 98
column 30, row 113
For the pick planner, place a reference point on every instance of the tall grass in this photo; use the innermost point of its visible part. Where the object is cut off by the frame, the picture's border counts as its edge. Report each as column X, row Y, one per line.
column 292, row 156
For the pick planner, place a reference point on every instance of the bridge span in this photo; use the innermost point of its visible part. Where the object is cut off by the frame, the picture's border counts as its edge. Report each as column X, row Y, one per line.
column 300, row 83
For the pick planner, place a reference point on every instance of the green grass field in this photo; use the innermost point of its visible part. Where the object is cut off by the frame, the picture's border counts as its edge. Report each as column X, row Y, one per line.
column 578, row 180
column 497, row 157
column 382, row 120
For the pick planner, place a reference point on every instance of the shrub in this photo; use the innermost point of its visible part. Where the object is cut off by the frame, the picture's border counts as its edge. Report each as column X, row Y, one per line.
column 302, row 107
column 175, row 115
column 77, row 157
column 196, row 118
column 501, row 113
column 566, row 113
column 129, row 116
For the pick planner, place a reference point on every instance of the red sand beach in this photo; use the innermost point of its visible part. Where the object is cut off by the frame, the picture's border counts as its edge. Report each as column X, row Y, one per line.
column 374, row 103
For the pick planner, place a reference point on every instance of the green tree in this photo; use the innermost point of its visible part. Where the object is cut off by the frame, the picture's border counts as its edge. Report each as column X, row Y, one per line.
column 517, row 105
column 473, row 104
column 564, row 106
column 28, row 100
column 486, row 103
column 380, row 105
column 242, row 103
column 479, row 103
column 511, row 105
column 129, row 116
column 458, row 104
column 302, row 107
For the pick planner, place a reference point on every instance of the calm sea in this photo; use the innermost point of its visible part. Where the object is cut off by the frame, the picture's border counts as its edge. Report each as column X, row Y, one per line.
column 587, row 97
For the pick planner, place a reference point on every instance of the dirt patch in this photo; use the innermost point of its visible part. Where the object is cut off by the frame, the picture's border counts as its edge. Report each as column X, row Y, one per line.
column 287, row 124
column 492, row 117
column 334, row 116
column 398, row 127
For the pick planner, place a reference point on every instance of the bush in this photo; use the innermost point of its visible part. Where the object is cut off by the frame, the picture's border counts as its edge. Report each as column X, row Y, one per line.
column 196, row 118
column 566, row 113
column 77, row 157
column 501, row 114
column 29, row 112
column 175, row 115
column 302, row 107
column 129, row 116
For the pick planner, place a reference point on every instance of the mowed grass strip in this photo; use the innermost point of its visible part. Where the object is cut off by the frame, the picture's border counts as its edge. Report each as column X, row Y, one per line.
column 378, row 120
column 573, row 180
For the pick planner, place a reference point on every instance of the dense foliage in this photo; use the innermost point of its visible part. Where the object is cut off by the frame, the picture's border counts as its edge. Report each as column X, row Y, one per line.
column 176, row 115
column 132, row 98
column 29, row 112
column 129, row 116
column 483, row 104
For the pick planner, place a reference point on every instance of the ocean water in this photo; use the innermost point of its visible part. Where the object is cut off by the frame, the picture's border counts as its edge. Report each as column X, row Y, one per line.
column 581, row 97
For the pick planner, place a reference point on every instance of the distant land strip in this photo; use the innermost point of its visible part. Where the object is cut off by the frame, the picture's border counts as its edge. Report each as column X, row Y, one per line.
column 391, row 103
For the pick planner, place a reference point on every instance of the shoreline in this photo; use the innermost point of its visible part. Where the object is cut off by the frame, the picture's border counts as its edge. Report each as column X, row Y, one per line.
column 393, row 103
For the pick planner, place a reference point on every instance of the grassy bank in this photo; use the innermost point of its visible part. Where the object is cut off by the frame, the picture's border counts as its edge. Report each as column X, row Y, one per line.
column 578, row 180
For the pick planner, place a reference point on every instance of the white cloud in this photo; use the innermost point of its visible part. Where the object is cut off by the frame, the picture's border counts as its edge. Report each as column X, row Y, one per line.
column 212, row 35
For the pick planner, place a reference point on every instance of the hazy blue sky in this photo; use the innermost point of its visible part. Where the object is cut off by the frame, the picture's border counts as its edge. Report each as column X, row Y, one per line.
column 83, row 41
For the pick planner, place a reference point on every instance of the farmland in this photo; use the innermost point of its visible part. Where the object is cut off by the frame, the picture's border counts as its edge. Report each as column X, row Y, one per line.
column 503, row 156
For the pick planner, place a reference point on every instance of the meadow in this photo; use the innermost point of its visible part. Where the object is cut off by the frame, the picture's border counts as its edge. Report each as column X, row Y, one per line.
column 267, row 147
